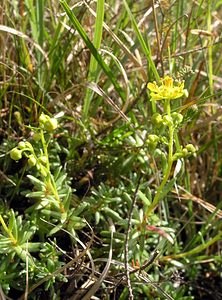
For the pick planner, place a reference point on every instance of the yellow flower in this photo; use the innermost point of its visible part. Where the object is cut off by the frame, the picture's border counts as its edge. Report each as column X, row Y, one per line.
column 167, row 90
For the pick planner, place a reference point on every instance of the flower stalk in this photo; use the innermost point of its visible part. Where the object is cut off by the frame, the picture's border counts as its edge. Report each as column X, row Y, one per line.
column 50, row 182
column 160, row 189
column 42, row 163
column 166, row 92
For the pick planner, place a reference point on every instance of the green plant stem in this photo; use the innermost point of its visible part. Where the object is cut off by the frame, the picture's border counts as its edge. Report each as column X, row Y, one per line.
column 45, row 150
column 166, row 176
column 49, row 178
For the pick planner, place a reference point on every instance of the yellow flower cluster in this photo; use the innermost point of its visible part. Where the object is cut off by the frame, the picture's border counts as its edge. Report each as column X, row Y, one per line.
column 167, row 89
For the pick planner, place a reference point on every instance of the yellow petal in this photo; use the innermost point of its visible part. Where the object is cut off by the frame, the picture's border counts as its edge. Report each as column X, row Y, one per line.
column 152, row 87
column 168, row 81
column 167, row 89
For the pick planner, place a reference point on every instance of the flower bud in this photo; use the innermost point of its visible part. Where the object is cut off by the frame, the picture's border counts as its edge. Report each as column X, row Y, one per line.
column 42, row 119
column 21, row 145
column 28, row 145
column 177, row 118
column 32, row 161
column 15, row 154
column 47, row 123
column 153, row 138
column 36, row 137
column 51, row 124
column 185, row 152
column 43, row 159
column 156, row 119
column 167, row 120
column 152, row 141
column 190, row 148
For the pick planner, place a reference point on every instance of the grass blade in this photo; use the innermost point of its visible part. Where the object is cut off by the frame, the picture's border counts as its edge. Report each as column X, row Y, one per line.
column 93, row 75
column 92, row 48
column 142, row 43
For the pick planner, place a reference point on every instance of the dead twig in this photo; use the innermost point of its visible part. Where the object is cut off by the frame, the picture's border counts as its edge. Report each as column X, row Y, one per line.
column 126, row 250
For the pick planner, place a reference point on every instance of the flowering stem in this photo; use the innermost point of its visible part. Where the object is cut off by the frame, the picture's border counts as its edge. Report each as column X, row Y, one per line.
column 50, row 179
column 160, row 189
column 45, row 150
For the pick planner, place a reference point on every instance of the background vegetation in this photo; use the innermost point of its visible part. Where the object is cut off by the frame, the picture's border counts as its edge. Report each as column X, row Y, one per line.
column 88, row 63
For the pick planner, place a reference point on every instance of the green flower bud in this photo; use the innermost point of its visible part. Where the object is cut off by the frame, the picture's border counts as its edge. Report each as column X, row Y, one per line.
column 42, row 119
column 43, row 159
column 15, row 154
column 32, row 161
column 47, row 123
column 21, row 145
column 177, row 118
column 29, row 145
column 167, row 120
column 185, row 152
column 153, row 138
column 152, row 141
column 190, row 148
column 36, row 137
column 157, row 119
column 51, row 124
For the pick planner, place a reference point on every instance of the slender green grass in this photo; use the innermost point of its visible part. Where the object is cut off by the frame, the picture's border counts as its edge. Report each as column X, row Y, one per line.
column 93, row 74
column 93, row 50
column 210, row 52
column 145, row 47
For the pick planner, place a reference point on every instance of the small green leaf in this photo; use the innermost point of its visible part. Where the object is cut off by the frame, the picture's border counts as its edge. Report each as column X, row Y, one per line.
column 81, row 207
column 36, row 182
column 143, row 197
column 38, row 194
column 112, row 214
column 167, row 188
column 12, row 221
column 60, row 180
column 66, row 202
column 55, row 229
